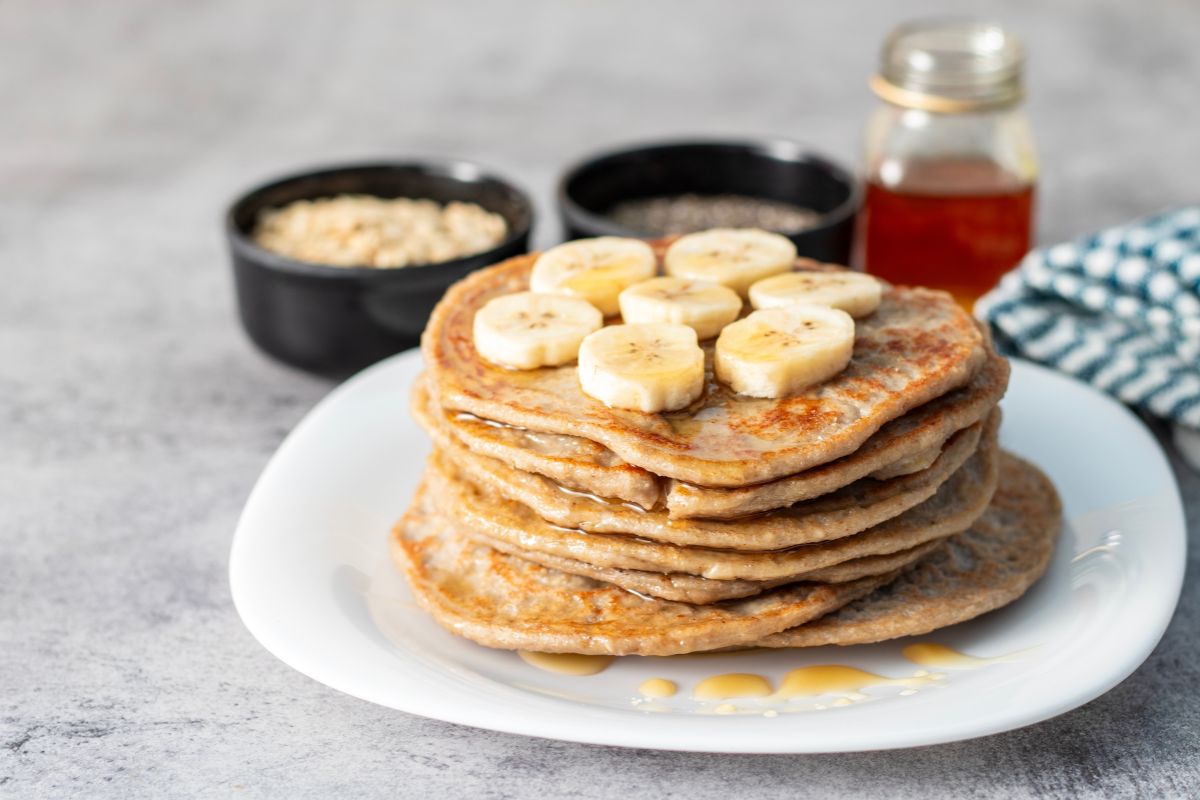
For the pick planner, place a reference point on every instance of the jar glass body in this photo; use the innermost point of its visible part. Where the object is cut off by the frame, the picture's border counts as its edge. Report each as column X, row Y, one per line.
column 949, row 200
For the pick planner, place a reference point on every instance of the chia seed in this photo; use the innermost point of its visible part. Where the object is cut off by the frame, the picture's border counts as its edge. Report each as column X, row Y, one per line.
column 688, row 213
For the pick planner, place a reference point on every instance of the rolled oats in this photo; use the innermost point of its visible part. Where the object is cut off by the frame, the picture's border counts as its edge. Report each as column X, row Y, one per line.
column 360, row 230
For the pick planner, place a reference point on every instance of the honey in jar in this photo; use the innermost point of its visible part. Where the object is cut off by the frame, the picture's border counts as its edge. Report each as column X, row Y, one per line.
column 950, row 164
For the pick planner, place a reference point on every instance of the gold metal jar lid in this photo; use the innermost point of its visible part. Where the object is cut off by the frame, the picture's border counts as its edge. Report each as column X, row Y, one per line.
column 950, row 66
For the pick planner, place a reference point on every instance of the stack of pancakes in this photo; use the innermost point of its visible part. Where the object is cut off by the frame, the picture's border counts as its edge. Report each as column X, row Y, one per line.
column 875, row 505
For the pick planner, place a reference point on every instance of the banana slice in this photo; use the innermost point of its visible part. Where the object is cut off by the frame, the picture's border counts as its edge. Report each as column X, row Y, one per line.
column 703, row 307
column 733, row 257
column 853, row 292
column 778, row 352
column 594, row 269
column 527, row 330
column 651, row 367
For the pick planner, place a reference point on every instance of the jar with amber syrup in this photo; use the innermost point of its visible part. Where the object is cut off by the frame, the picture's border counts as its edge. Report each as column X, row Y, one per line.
column 950, row 164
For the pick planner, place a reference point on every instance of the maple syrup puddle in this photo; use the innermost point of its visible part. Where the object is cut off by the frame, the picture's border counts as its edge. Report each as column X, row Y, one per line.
column 844, row 683
column 732, row 685
column 938, row 656
column 566, row 663
column 658, row 687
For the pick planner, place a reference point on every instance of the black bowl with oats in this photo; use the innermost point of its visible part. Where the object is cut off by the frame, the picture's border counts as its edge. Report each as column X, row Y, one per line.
column 666, row 188
column 339, row 267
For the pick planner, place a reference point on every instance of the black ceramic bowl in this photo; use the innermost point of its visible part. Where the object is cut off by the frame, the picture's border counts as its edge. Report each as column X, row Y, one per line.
column 335, row 320
column 774, row 169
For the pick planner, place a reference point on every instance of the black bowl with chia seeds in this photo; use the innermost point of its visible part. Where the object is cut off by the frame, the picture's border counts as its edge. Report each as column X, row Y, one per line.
column 667, row 188
column 335, row 319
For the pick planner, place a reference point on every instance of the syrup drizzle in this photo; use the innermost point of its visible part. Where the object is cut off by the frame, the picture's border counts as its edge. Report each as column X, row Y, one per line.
column 846, row 685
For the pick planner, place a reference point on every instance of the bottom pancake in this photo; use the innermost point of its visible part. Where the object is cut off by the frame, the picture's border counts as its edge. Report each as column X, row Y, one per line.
column 987, row 567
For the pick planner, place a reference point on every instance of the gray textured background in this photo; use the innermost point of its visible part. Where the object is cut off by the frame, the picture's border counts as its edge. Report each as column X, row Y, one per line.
column 134, row 416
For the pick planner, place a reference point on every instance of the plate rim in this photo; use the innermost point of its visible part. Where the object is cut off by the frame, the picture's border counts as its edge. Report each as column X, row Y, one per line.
column 650, row 736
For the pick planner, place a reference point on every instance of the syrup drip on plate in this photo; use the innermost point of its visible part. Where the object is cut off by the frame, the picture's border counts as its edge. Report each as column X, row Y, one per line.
column 732, row 685
column 847, row 682
column 938, row 656
column 566, row 663
column 658, row 687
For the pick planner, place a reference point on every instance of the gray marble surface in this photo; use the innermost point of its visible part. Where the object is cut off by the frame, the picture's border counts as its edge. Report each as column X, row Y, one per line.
column 134, row 415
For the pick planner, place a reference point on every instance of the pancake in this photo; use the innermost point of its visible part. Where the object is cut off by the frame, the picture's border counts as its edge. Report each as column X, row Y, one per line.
column 987, row 567
column 843, row 513
column 917, row 346
column 694, row 589
column 571, row 461
column 922, row 430
column 918, row 461
column 951, row 510
column 587, row 466
column 502, row 601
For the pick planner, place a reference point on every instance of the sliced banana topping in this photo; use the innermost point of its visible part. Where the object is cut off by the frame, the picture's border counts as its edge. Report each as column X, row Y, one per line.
column 596, row 270
column 778, row 352
column 853, row 292
column 527, row 330
column 651, row 367
column 703, row 307
column 733, row 257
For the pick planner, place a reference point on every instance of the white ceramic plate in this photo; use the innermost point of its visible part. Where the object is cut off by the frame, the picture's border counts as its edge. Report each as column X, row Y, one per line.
column 312, row 579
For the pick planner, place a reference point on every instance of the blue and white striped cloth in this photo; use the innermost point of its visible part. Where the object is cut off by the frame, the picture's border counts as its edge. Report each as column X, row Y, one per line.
column 1119, row 309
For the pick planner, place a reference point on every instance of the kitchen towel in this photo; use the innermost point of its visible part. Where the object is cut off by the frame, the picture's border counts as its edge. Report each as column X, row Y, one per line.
column 1119, row 309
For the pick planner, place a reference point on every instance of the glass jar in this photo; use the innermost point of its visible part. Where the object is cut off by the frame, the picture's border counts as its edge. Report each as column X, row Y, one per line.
column 950, row 166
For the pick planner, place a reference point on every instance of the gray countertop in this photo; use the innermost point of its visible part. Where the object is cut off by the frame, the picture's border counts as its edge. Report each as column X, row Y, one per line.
column 134, row 415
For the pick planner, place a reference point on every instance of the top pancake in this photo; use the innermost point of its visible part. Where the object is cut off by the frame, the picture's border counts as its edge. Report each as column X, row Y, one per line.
column 917, row 346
